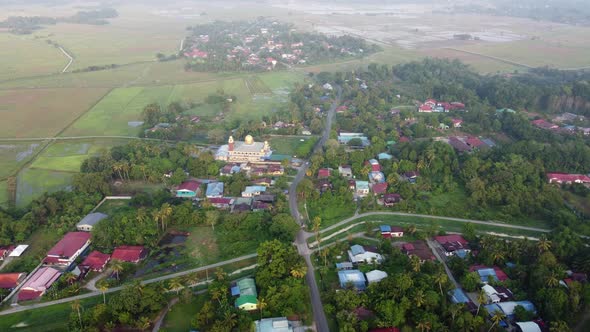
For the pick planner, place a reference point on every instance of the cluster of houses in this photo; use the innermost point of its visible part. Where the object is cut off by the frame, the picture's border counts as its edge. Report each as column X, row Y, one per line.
column 434, row 106
column 61, row 258
column 563, row 129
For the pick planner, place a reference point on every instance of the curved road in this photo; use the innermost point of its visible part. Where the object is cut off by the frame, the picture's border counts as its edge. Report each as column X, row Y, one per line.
column 115, row 289
column 319, row 316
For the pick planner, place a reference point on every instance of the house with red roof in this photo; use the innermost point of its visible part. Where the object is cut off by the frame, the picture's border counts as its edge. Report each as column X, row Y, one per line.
column 540, row 123
column 452, row 244
column 220, row 202
column 419, row 249
column 68, row 248
column 404, row 139
column 459, row 145
column 457, row 123
column 430, row 102
column 566, row 178
column 38, row 283
column 131, row 254
column 188, row 189
column 474, row 142
column 425, row 108
column 323, row 173
column 391, row 199
column 11, row 280
column 96, row 261
column 457, row 106
column 5, row 251
column 379, row 188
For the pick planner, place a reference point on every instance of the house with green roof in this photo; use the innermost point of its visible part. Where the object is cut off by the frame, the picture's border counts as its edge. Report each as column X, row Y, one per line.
column 245, row 289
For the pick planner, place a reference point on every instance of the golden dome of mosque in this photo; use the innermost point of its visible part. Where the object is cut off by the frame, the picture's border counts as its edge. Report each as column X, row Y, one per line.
column 249, row 140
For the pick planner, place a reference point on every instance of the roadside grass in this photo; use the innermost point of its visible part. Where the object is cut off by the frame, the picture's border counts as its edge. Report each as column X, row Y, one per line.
column 15, row 154
column 26, row 56
column 111, row 206
column 43, row 112
column 51, row 318
column 32, row 182
column 330, row 214
column 179, row 318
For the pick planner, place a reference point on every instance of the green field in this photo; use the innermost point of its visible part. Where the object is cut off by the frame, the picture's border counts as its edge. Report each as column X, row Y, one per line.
column 33, row 182
column 3, row 194
column 15, row 154
column 43, row 112
column 24, row 56
column 292, row 146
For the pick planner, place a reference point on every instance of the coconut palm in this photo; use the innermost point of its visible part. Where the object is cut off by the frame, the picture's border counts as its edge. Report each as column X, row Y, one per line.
column 411, row 229
column 544, row 244
column 70, row 278
column 76, row 307
column 559, row 326
column 415, row 263
column 419, row 298
column 175, row 284
column 103, row 287
column 498, row 256
column 261, row 305
column 496, row 319
column 552, row 280
column 117, row 267
column 230, row 319
column 441, row 278
column 141, row 215
column 143, row 323
column 424, row 326
column 299, row 271
column 481, row 299
column 166, row 212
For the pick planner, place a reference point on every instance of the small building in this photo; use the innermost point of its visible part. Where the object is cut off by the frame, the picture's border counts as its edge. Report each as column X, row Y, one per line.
column 221, row 203
column 5, row 251
column 345, row 171
column 96, row 261
column 247, row 294
column 266, row 198
column 88, row 222
column 459, row 145
column 384, row 156
column 391, row 199
column 11, row 280
column 411, row 177
column 487, row 274
column 507, row 308
column 131, row 254
column 38, row 283
column 277, row 324
column 496, row 294
column 419, row 249
column 19, row 250
column 376, row 176
column 391, row 231
column 344, row 266
column 527, row 327
column 229, row 169
column 375, row 276
column 72, row 245
column 247, row 302
column 323, row 173
column 263, row 182
column 566, row 178
column 355, row 278
column 359, row 254
column 214, row 190
column 362, row 188
column 251, row 191
column 542, row 124
column 242, row 204
column 188, row 189
column 452, row 243
column 380, row 188
column 457, row 295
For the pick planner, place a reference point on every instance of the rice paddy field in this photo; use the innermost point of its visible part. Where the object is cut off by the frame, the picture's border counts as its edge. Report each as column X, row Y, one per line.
column 43, row 112
column 24, row 56
column 33, row 182
column 3, row 194
column 15, row 154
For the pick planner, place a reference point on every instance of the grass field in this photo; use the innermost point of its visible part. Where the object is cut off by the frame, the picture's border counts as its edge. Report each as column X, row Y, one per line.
column 43, row 112
column 292, row 146
column 67, row 156
column 3, row 194
column 33, row 182
column 177, row 319
column 24, row 56
column 15, row 154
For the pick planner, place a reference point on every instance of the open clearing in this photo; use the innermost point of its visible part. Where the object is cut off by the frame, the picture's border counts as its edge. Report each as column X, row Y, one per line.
column 33, row 182
column 26, row 56
column 112, row 114
column 43, row 112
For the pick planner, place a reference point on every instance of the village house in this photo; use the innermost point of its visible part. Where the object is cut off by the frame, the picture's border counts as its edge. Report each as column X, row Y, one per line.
column 354, row 278
column 277, row 324
column 188, row 189
column 214, row 190
column 391, row 199
column 19, row 250
column 5, row 251
column 507, row 309
column 375, row 276
column 345, row 171
column 68, row 248
column 221, row 202
column 487, row 274
column 38, row 283
column 96, row 261
column 11, row 280
column 242, row 204
column 379, row 188
column 419, row 249
column 566, row 178
column 411, row 177
column 229, row 169
column 359, row 254
column 496, row 294
column 323, row 173
column 452, row 245
column 344, row 266
column 276, row 170
column 542, row 124
column 88, row 222
column 267, row 182
column 247, row 294
column 391, row 231
column 130, row 254
column 459, row 145
column 384, row 156
column 362, row 188
column 457, row 123
column 251, row 191
column 457, row 295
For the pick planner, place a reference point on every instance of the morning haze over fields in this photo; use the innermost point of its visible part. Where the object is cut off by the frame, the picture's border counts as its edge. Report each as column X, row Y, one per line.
column 282, row 165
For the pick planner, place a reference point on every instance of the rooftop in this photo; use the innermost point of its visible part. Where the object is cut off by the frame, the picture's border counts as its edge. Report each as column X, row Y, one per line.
column 190, row 185
column 69, row 244
column 92, row 219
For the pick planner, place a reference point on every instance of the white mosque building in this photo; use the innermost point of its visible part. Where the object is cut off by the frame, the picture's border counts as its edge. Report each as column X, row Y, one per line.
column 243, row 151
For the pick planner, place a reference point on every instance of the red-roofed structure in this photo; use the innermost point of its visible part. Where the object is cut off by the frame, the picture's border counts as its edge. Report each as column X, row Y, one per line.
column 457, row 106
column 376, row 168
column 38, row 283
column 540, row 123
column 419, row 249
column 391, row 199
column 565, row 178
column 11, row 280
column 220, row 202
column 323, row 173
column 68, row 248
column 457, row 123
column 459, row 145
column 96, row 261
column 474, row 142
column 425, row 108
column 5, row 251
column 196, row 53
column 131, row 254
column 191, row 185
column 380, row 188
column 431, row 102
column 452, row 243
column 404, row 139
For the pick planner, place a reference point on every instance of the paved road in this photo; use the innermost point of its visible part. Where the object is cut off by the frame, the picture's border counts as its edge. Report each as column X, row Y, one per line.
column 115, row 289
column 436, row 252
column 319, row 317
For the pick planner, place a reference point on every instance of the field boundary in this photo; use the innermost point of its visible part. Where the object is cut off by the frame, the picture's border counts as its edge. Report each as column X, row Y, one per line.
column 491, row 57
column 83, row 113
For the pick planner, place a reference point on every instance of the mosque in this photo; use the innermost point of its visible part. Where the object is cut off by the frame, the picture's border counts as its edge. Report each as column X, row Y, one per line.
column 243, row 151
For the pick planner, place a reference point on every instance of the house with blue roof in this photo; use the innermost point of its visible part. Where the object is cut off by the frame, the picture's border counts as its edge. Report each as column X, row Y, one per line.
column 507, row 308
column 352, row 277
column 359, row 254
column 214, row 190
column 251, row 191
column 384, row 156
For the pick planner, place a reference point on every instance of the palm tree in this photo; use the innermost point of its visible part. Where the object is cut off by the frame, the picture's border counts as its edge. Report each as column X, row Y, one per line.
column 166, row 211
column 144, row 323
column 481, row 298
column 419, row 298
column 103, row 287
column 411, row 229
column 117, row 267
column 70, row 278
column 441, row 279
column 544, row 244
column 76, row 307
column 454, row 310
column 141, row 215
column 424, row 326
column 230, row 319
column 552, row 280
column 157, row 216
column 559, row 326
column 496, row 319
column 498, row 256
column 415, row 263
column 261, row 305
column 298, row 271
column 175, row 284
